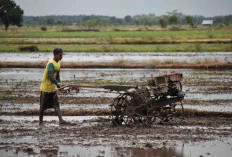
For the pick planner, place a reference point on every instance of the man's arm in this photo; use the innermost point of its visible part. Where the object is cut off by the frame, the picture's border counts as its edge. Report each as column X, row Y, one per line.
column 50, row 73
column 58, row 77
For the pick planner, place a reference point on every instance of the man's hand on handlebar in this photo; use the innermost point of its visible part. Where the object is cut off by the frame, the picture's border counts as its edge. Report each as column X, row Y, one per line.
column 60, row 88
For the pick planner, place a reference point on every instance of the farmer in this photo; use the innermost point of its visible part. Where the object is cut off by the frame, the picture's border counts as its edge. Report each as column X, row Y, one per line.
column 51, row 80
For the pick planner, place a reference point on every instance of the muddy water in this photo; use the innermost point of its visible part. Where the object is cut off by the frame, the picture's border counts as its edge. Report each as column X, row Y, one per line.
column 218, row 96
column 94, row 136
column 214, row 108
column 88, row 107
column 35, row 74
column 189, row 57
column 202, row 85
column 21, row 136
column 212, row 149
column 49, row 118
column 114, row 75
column 18, row 107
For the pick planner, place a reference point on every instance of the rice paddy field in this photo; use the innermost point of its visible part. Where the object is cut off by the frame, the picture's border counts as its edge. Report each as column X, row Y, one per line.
column 115, row 56
column 125, row 39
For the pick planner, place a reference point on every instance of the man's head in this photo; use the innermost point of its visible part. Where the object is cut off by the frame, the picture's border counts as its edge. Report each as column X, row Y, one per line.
column 58, row 52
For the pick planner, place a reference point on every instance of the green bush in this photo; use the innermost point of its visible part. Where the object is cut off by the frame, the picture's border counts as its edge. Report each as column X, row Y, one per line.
column 43, row 28
column 28, row 48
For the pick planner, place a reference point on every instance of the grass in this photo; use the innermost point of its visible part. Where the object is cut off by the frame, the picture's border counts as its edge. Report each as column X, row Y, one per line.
column 115, row 34
column 119, row 39
column 185, row 47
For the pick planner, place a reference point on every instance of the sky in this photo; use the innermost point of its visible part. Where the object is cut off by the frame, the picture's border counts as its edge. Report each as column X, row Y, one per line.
column 121, row 8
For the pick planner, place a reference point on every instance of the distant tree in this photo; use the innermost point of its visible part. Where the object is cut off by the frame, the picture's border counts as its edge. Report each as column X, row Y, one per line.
column 139, row 20
column 10, row 13
column 136, row 20
column 143, row 19
column 218, row 20
column 59, row 22
column 198, row 19
column 128, row 19
column 113, row 20
column 94, row 22
column 120, row 21
column 152, row 19
column 228, row 20
column 189, row 20
column 226, row 23
column 102, row 22
column 34, row 20
column 163, row 23
column 86, row 18
column 173, row 19
column 174, row 12
column 50, row 21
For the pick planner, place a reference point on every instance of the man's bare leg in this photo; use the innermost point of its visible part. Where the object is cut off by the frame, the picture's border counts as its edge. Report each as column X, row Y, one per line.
column 58, row 112
column 41, row 112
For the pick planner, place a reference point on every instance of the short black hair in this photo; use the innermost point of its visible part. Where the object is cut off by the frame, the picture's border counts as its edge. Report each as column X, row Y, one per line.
column 57, row 51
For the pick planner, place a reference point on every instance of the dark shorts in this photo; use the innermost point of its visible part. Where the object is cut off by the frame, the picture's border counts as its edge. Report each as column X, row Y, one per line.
column 48, row 100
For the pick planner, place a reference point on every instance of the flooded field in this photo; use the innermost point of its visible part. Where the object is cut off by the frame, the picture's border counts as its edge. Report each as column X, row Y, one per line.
column 92, row 135
column 207, row 86
column 189, row 57
column 115, row 75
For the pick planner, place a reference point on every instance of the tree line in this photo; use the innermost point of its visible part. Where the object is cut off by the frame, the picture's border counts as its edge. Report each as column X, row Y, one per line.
column 171, row 18
column 12, row 14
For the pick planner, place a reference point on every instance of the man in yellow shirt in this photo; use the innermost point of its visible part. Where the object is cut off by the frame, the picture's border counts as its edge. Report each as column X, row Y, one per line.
column 51, row 80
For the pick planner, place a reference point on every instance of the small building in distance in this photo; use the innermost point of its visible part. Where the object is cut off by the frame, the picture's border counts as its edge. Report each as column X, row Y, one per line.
column 207, row 22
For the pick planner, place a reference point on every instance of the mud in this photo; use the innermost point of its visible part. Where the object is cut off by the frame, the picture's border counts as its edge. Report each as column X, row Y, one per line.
column 204, row 130
column 92, row 136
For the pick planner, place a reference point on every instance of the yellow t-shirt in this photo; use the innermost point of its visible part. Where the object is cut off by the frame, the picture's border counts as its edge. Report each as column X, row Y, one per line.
column 47, row 85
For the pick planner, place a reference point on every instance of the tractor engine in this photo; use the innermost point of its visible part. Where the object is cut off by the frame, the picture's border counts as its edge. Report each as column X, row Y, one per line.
column 166, row 84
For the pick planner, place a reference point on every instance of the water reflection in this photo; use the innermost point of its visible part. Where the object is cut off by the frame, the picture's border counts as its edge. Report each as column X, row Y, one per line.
column 101, row 151
column 213, row 148
column 49, row 152
column 141, row 152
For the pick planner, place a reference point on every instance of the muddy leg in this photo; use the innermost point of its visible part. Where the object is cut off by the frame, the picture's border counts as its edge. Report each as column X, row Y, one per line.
column 41, row 112
column 58, row 112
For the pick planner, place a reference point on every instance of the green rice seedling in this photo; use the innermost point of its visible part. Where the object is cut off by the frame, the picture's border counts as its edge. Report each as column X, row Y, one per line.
column 198, row 47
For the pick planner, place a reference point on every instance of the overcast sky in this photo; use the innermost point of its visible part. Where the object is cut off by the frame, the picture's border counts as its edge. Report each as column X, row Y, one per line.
column 121, row 8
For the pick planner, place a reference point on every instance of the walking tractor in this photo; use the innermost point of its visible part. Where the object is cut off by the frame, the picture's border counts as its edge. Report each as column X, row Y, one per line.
column 145, row 105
